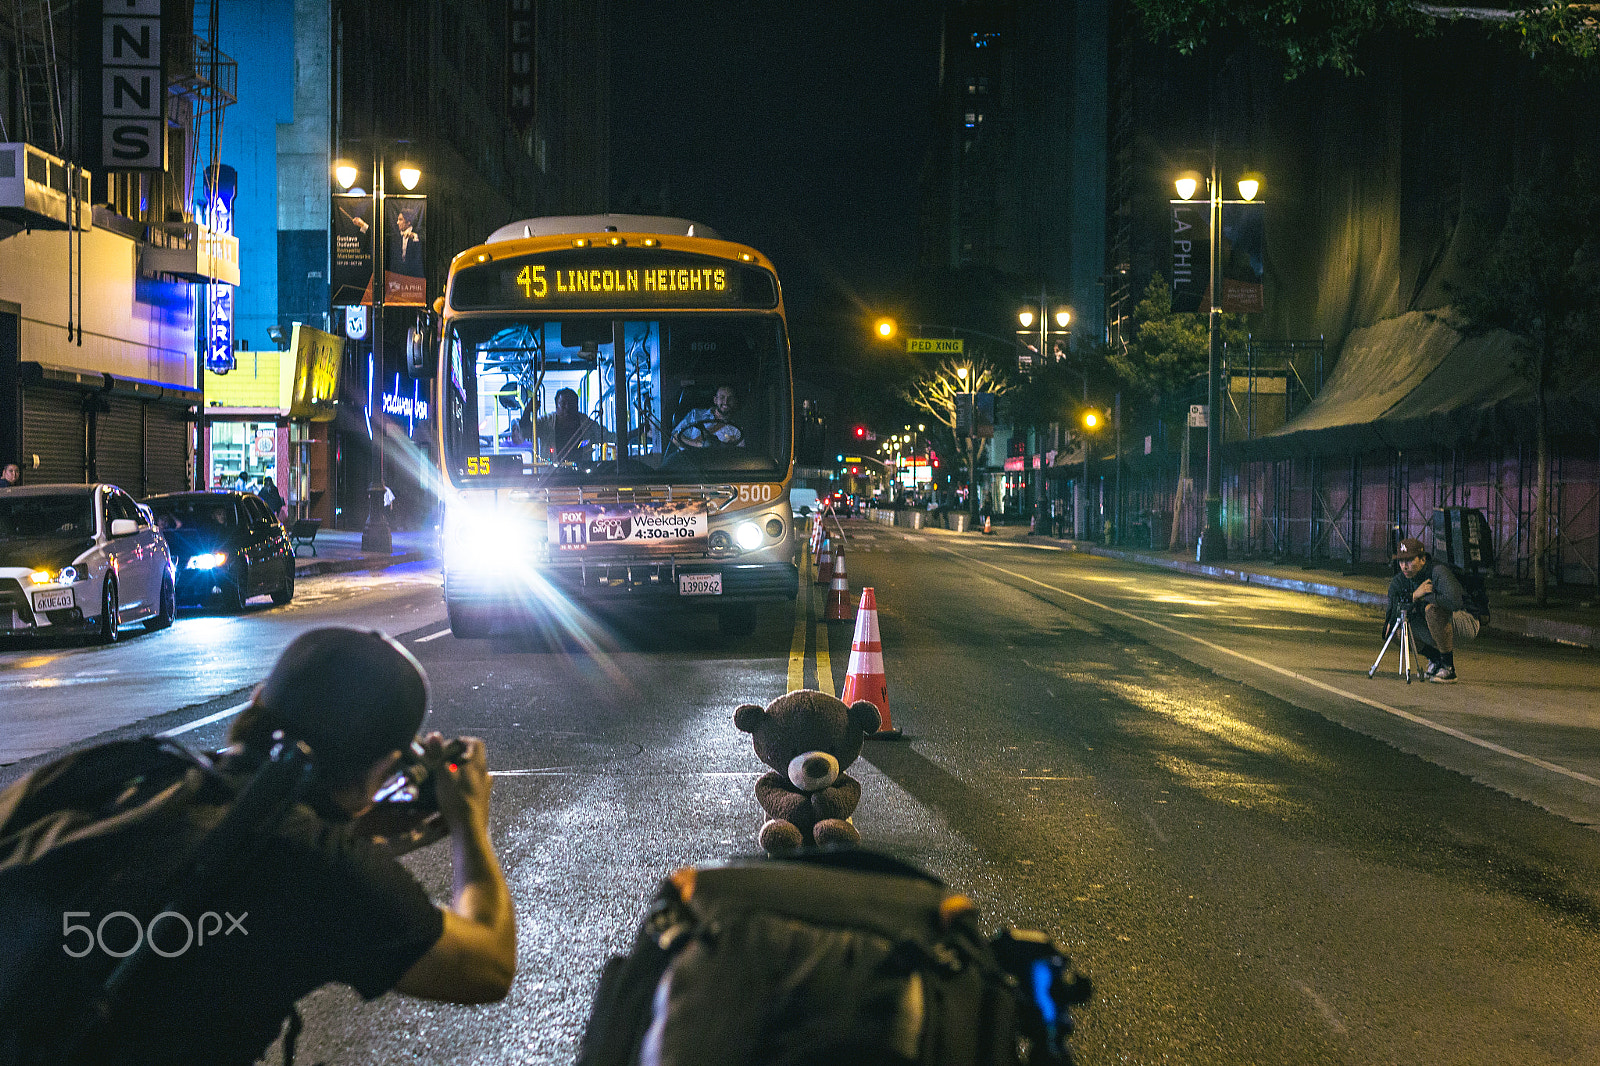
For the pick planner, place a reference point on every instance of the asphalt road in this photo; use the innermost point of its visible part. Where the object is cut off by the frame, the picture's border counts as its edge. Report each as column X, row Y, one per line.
column 1247, row 878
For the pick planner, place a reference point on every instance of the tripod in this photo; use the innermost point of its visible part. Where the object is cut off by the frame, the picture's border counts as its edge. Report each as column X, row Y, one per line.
column 1407, row 648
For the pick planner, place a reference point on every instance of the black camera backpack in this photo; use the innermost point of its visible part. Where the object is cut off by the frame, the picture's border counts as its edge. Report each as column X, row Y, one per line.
column 844, row 957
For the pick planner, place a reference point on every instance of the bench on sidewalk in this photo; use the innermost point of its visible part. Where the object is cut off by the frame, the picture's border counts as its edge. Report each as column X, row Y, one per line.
column 304, row 533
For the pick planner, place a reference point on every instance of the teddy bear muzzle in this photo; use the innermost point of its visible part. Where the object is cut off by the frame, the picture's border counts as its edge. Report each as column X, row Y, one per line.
column 813, row 771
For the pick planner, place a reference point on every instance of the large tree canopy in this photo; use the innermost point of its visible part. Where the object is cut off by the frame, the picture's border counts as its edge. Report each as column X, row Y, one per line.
column 1169, row 347
column 1317, row 34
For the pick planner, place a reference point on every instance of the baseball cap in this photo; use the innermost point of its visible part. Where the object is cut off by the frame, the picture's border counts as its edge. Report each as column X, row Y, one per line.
column 353, row 694
column 1410, row 548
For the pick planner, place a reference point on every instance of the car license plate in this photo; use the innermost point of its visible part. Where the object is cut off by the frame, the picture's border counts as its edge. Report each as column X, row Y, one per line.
column 699, row 584
column 52, row 601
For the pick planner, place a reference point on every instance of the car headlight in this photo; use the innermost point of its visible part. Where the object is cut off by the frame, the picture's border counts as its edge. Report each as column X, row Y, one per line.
column 65, row 576
column 207, row 561
column 748, row 536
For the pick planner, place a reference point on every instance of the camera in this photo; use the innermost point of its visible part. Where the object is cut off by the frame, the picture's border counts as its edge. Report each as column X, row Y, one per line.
column 412, row 785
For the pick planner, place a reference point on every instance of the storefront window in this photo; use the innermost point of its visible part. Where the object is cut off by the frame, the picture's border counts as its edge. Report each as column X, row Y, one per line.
column 247, row 450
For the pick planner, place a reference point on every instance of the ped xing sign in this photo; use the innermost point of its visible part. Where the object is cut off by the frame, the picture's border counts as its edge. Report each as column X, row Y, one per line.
column 935, row 345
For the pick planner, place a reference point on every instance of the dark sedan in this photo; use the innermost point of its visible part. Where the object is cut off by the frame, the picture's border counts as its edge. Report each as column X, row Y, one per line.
column 226, row 547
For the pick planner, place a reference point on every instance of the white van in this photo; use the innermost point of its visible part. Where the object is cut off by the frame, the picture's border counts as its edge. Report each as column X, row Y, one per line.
column 806, row 498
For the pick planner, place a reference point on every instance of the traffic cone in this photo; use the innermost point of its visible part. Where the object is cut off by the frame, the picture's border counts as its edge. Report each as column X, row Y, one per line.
column 825, row 562
column 988, row 525
column 838, row 609
column 865, row 680
column 816, row 535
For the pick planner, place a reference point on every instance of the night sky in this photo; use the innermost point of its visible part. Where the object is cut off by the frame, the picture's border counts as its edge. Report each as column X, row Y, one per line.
column 797, row 129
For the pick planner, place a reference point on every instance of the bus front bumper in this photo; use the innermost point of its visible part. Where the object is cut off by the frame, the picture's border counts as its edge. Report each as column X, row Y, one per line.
column 637, row 582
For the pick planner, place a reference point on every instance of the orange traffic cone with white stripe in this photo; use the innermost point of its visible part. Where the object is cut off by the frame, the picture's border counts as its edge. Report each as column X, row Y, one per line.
column 838, row 609
column 816, row 534
column 825, row 562
column 865, row 680
column 988, row 524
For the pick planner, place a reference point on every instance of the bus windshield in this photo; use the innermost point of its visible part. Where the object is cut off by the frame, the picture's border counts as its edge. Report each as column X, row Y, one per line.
column 705, row 397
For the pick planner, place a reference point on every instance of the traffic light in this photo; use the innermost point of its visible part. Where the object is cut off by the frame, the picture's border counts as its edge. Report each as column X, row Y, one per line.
column 1092, row 420
column 861, row 433
column 885, row 329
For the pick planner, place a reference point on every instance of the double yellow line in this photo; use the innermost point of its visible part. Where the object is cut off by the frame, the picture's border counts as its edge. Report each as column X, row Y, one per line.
column 805, row 621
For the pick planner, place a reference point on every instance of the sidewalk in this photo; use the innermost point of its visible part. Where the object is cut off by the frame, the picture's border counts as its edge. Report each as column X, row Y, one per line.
column 1572, row 617
column 339, row 551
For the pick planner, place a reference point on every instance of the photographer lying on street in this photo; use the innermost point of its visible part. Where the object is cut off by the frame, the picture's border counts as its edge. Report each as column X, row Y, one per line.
column 202, row 900
column 1432, row 595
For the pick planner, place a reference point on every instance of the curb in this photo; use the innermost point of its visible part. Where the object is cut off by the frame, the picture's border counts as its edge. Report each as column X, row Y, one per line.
column 317, row 567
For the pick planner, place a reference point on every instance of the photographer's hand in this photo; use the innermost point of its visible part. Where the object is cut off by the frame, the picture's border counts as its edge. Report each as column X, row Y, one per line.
column 1424, row 589
column 476, row 958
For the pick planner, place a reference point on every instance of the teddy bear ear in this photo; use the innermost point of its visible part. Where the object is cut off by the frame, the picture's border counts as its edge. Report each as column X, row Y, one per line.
column 865, row 717
column 747, row 717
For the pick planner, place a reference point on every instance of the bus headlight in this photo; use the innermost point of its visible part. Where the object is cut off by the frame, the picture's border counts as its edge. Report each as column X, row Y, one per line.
column 481, row 539
column 747, row 536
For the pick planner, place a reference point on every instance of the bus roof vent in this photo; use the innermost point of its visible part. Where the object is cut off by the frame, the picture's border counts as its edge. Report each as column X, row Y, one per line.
column 572, row 225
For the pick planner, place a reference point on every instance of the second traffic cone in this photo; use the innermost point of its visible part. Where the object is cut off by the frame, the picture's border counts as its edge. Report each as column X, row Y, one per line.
column 825, row 562
column 865, row 680
column 838, row 609
column 988, row 525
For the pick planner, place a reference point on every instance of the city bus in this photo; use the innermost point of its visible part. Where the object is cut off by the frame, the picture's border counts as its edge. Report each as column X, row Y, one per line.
column 614, row 424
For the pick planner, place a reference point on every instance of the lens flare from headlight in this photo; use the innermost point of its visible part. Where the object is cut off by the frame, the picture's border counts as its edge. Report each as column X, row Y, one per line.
column 207, row 561
column 478, row 538
column 748, row 536
column 41, row 577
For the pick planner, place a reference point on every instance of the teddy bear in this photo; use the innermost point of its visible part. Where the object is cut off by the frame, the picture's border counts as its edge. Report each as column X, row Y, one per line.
column 808, row 739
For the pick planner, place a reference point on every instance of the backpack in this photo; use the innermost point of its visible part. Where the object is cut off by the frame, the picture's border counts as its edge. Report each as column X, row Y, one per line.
column 844, row 957
column 63, row 829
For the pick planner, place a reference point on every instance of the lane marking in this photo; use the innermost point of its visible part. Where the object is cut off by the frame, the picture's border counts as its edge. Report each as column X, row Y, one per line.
column 824, row 664
column 433, row 636
column 1329, row 1015
column 1415, row 719
column 207, row 720
column 797, row 646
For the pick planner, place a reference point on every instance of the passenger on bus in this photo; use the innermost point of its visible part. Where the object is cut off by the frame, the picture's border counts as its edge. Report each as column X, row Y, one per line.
column 568, row 434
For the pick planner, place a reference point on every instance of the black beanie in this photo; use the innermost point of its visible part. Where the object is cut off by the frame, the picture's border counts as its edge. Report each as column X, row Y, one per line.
column 352, row 694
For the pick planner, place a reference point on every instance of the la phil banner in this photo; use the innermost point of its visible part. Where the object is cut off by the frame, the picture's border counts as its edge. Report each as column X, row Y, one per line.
column 405, row 279
column 1243, row 253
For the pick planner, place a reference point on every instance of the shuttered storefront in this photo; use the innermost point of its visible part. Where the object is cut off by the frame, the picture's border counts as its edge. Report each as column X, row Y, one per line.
column 119, row 443
column 166, row 448
column 138, row 444
column 53, row 429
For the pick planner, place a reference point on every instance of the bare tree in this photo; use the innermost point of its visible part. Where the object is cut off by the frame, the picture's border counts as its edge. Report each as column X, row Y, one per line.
column 935, row 393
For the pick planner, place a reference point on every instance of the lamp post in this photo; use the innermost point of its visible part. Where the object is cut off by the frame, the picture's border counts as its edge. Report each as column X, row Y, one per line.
column 1213, row 544
column 1063, row 319
column 376, row 536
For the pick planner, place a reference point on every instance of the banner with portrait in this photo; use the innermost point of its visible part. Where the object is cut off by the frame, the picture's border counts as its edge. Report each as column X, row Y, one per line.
column 406, row 278
column 352, row 249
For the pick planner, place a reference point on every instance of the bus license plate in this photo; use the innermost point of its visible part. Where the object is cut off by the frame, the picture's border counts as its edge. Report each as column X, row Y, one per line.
column 52, row 601
column 699, row 584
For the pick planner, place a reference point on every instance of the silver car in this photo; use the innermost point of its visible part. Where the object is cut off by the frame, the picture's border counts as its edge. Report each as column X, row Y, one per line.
column 81, row 558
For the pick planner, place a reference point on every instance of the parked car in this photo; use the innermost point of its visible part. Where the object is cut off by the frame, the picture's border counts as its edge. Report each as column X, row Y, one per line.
column 81, row 558
column 803, row 502
column 227, row 547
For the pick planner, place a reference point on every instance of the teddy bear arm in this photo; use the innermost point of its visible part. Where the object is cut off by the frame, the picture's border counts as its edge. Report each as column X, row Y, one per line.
column 838, row 800
column 778, row 798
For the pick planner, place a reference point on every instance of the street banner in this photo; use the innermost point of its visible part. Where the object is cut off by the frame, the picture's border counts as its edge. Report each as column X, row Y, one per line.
column 1244, row 242
column 1191, row 246
column 352, row 249
column 974, row 414
column 407, row 284
column 405, row 280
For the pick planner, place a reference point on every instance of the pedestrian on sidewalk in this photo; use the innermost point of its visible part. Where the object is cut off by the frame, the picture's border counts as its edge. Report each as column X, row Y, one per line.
column 271, row 497
column 1432, row 595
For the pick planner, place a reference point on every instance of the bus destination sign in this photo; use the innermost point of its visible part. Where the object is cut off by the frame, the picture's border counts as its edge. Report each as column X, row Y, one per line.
column 609, row 277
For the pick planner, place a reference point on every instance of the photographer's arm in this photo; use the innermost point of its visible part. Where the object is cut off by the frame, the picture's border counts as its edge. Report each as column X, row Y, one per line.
column 475, row 958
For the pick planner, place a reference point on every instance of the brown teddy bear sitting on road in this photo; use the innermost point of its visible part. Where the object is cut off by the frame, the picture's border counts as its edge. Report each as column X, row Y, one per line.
column 808, row 739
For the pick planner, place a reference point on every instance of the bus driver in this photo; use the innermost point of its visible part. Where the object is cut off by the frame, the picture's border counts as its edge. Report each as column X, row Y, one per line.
column 711, row 426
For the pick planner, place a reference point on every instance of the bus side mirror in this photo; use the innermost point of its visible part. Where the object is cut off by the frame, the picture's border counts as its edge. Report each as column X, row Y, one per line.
column 422, row 344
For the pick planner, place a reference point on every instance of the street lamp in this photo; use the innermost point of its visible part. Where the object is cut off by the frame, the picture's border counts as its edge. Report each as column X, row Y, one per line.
column 376, row 536
column 1213, row 544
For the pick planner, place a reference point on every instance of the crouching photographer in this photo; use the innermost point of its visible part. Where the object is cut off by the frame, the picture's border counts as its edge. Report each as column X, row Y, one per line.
column 204, row 897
